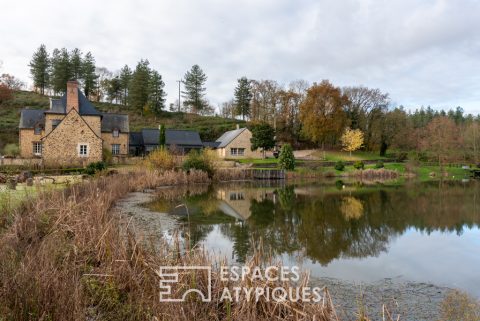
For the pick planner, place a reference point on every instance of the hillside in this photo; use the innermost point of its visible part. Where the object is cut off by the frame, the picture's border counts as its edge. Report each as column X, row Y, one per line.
column 209, row 127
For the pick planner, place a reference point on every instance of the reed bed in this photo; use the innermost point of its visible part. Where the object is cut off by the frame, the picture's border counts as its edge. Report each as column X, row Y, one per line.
column 64, row 257
column 372, row 174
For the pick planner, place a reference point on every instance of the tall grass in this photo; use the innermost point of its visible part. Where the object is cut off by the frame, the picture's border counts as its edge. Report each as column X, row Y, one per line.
column 64, row 257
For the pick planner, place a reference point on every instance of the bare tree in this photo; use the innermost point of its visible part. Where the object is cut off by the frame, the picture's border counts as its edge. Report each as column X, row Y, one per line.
column 365, row 107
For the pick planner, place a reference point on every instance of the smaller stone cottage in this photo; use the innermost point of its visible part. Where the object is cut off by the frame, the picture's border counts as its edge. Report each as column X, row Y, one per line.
column 235, row 144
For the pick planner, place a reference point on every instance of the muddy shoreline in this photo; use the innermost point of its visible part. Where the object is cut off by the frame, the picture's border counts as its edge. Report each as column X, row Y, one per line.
column 414, row 301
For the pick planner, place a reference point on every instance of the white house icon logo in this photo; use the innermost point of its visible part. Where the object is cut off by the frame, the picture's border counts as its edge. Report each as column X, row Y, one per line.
column 173, row 291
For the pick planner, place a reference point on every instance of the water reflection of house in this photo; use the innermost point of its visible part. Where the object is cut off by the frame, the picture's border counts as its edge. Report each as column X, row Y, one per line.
column 237, row 202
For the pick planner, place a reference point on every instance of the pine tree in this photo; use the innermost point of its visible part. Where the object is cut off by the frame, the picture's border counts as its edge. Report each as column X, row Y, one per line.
column 76, row 63
column 125, row 78
column 138, row 89
column 89, row 76
column 162, row 139
column 61, row 72
column 39, row 68
column 114, row 90
column 243, row 96
column 194, row 94
column 156, row 93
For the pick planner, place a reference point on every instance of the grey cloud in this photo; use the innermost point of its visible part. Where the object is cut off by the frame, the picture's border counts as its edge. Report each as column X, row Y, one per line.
column 421, row 52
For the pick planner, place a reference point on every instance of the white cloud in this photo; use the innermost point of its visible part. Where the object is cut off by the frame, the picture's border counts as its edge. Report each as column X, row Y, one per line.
column 421, row 52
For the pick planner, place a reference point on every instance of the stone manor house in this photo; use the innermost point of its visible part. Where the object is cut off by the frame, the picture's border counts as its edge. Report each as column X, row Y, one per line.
column 72, row 131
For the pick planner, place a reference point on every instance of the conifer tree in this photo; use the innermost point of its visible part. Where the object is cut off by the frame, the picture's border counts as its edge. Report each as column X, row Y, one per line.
column 39, row 68
column 243, row 96
column 194, row 94
column 125, row 78
column 61, row 72
column 139, row 86
column 162, row 139
column 76, row 63
column 156, row 93
column 89, row 76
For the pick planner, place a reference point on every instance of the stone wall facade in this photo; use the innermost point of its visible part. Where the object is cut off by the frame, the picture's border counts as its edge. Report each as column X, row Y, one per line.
column 61, row 146
column 49, row 119
column 26, row 139
column 122, row 140
column 95, row 123
column 241, row 141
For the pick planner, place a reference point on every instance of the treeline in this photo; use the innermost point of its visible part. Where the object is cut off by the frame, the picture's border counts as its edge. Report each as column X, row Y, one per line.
column 142, row 89
column 318, row 114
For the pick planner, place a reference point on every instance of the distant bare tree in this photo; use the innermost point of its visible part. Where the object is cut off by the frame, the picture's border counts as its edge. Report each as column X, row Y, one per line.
column 227, row 109
column 365, row 107
column 441, row 138
column 11, row 82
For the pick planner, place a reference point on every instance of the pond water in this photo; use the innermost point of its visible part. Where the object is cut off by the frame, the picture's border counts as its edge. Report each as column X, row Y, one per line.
column 422, row 232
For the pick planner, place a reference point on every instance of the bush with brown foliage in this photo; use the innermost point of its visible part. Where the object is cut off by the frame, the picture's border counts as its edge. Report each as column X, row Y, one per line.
column 6, row 93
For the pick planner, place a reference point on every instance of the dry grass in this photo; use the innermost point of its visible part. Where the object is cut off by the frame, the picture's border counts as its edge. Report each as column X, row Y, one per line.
column 371, row 174
column 64, row 257
column 460, row 306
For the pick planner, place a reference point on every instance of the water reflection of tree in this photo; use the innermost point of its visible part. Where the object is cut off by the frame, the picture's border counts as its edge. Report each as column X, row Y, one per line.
column 361, row 223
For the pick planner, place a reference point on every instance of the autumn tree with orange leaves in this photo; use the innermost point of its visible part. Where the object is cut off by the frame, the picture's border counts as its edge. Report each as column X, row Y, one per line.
column 322, row 114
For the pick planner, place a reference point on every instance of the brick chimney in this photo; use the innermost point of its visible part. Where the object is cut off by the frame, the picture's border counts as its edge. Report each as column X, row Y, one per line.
column 72, row 96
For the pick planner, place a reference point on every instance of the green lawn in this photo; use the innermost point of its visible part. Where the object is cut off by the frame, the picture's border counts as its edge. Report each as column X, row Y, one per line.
column 334, row 156
column 423, row 173
column 257, row 161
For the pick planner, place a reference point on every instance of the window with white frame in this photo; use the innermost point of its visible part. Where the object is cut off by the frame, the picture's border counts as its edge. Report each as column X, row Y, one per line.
column 115, row 149
column 237, row 151
column 37, row 148
column 83, row 150
column 115, row 133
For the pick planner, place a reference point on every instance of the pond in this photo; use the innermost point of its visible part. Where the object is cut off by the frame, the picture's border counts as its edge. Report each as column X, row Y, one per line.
column 421, row 232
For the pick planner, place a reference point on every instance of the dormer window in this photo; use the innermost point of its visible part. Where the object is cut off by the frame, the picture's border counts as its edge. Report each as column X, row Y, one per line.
column 55, row 123
column 115, row 133
column 37, row 130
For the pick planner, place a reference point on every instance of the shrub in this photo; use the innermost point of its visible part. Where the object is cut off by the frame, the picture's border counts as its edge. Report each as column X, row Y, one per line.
column 359, row 165
column 339, row 166
column 379, row 164
column 161, row 159
column 287, row 159
column 11, row 150
column 96, row 167
column 6, row 93
column 107, row 156
column 199, row 161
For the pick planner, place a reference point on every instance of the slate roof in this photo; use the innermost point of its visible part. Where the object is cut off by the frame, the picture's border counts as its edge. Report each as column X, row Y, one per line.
column 136, row 139
column 227, row 137
column 115, row 121
column 211, row 144
column 182, row 137
column 58, row 106
column 31, row 117
column 178, row 137
column 150, row 136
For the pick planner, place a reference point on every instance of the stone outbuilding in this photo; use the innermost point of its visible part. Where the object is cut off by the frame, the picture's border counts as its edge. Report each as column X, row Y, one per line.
column 147, row 140
column 72, row 132
column 235, row 144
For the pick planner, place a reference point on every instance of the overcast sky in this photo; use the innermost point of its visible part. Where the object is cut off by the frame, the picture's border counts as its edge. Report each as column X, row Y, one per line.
column 422, row 52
